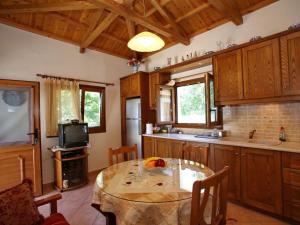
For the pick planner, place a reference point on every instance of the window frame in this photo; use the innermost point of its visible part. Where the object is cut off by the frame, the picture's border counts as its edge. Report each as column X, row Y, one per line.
column 208, row 125
column 101, row 90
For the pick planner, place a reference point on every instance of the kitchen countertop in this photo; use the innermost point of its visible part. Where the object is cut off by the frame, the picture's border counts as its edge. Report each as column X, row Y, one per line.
column 254, row 143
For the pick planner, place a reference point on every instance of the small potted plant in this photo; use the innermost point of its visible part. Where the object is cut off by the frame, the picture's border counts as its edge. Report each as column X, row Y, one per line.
column 135, row 64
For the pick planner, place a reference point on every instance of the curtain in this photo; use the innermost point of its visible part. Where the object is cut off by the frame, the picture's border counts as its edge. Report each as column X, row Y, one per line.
column 62, row 103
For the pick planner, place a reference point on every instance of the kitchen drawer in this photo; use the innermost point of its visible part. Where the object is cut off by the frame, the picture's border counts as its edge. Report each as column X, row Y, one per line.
column 292, row 210
column 291, row 160
column 291, row 193
column 291, row 176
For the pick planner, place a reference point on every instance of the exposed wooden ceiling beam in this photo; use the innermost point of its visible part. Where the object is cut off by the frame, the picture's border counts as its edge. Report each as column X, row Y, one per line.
column 92, row 26
column 131, row 33
column 98, row 30
column 153, row 10
column 46, row 7
column 133, row 16
column 168, row 17
column 230, row 10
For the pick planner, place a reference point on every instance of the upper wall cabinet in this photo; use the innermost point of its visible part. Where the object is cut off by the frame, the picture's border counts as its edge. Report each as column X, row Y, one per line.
column 261, row 70
column 156, row 79
column 228, row 76
column 130, row 86
column 290, row 63
column 165, row 113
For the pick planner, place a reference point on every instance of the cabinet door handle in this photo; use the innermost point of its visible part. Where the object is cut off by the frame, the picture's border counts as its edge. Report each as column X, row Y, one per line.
column 237, row 154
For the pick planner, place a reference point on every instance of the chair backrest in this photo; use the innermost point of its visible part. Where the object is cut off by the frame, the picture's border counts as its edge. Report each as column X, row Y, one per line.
column 212, row 190
column 195, row 153
column 122, row 154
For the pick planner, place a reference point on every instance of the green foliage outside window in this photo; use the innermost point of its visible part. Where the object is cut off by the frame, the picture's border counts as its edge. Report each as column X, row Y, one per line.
column 92, row 108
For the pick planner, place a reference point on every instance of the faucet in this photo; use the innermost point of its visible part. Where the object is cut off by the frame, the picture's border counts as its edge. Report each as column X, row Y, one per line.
column 251, row 134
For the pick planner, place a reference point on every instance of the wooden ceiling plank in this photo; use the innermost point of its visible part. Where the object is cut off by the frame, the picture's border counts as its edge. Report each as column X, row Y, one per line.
column 168, row 17
column 50, row 35
column 133, row 16
column 230, row 11
column 46, row 7
column 99, row 29
column 192, row 12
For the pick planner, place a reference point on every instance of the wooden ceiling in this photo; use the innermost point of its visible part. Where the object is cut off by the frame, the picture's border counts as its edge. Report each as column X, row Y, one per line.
column 107, row 25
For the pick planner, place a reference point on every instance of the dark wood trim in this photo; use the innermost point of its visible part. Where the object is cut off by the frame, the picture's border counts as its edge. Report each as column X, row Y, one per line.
column 208, row 125
column 102, row 127
column 190, row 82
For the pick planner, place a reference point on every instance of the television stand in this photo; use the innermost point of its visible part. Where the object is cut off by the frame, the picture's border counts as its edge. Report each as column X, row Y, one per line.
column 70, row 167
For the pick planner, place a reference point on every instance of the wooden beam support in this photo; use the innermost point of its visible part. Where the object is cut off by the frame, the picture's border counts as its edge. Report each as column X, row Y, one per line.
column 46, row 7
column 230, row 10
column 153, row 10
column 131, row 33
column 92, row 27
column 99, row 29
column 168, row 17
column 133, row 16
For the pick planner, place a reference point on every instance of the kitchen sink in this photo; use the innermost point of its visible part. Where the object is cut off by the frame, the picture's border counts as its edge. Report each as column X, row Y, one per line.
column 254, row 141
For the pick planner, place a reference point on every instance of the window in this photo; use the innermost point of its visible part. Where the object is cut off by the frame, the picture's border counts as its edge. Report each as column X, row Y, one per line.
column 92, row 100
column 195, row 103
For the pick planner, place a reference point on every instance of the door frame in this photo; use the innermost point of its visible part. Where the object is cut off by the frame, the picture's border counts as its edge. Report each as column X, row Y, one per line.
column 38, row 175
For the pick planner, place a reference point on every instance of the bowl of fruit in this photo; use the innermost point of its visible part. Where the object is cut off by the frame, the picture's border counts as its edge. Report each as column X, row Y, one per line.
column 154, row 163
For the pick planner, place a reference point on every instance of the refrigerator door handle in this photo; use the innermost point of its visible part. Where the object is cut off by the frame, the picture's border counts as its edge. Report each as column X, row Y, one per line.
column 139, row 127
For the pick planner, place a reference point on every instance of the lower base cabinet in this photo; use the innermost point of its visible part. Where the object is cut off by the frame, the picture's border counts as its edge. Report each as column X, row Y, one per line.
column 167, row 148
column 226, row 155
column 149, row 147
column 291, row 187
column 261, row 179
column 265, row 179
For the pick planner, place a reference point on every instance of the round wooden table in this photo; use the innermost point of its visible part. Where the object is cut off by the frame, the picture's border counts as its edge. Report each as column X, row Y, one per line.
column 140, row 196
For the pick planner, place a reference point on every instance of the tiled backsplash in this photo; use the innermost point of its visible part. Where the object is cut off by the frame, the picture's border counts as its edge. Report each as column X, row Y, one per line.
column 266, row 119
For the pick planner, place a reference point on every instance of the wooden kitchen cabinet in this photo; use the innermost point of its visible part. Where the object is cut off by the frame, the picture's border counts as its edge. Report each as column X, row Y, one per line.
column 130, row 86
column 261, row 180
column 290, row 63
column 125, row 87
column 162, row 148
column 291, row 187
column 261, row 70
column 228, row 76
column 149, row 147
column 135, row 89
column 156, row 79
column 225, row 155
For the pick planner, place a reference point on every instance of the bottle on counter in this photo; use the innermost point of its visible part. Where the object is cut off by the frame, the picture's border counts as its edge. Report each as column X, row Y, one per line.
column 282, row 134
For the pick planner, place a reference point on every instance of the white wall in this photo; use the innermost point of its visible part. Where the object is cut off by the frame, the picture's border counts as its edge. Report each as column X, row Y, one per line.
column 268, row 20
column 23, row 55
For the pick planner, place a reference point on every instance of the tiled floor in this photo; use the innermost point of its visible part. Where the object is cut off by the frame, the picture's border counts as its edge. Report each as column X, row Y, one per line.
column 75, row 205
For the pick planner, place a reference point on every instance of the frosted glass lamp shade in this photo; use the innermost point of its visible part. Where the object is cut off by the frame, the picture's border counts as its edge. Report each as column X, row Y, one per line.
column 146, row 42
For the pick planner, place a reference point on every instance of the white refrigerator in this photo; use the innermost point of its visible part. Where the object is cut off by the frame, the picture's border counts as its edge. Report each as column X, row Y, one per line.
column 133, row 124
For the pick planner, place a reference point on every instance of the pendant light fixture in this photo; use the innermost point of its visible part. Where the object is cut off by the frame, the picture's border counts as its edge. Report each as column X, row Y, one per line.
column 145, row 41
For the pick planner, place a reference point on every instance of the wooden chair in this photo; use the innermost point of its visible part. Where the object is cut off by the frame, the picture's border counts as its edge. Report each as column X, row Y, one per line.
column 122, row 154
column 195, row 153
column 214, row 188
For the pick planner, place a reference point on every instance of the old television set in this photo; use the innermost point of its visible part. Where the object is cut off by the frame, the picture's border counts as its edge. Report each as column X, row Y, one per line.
column 73, row 134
